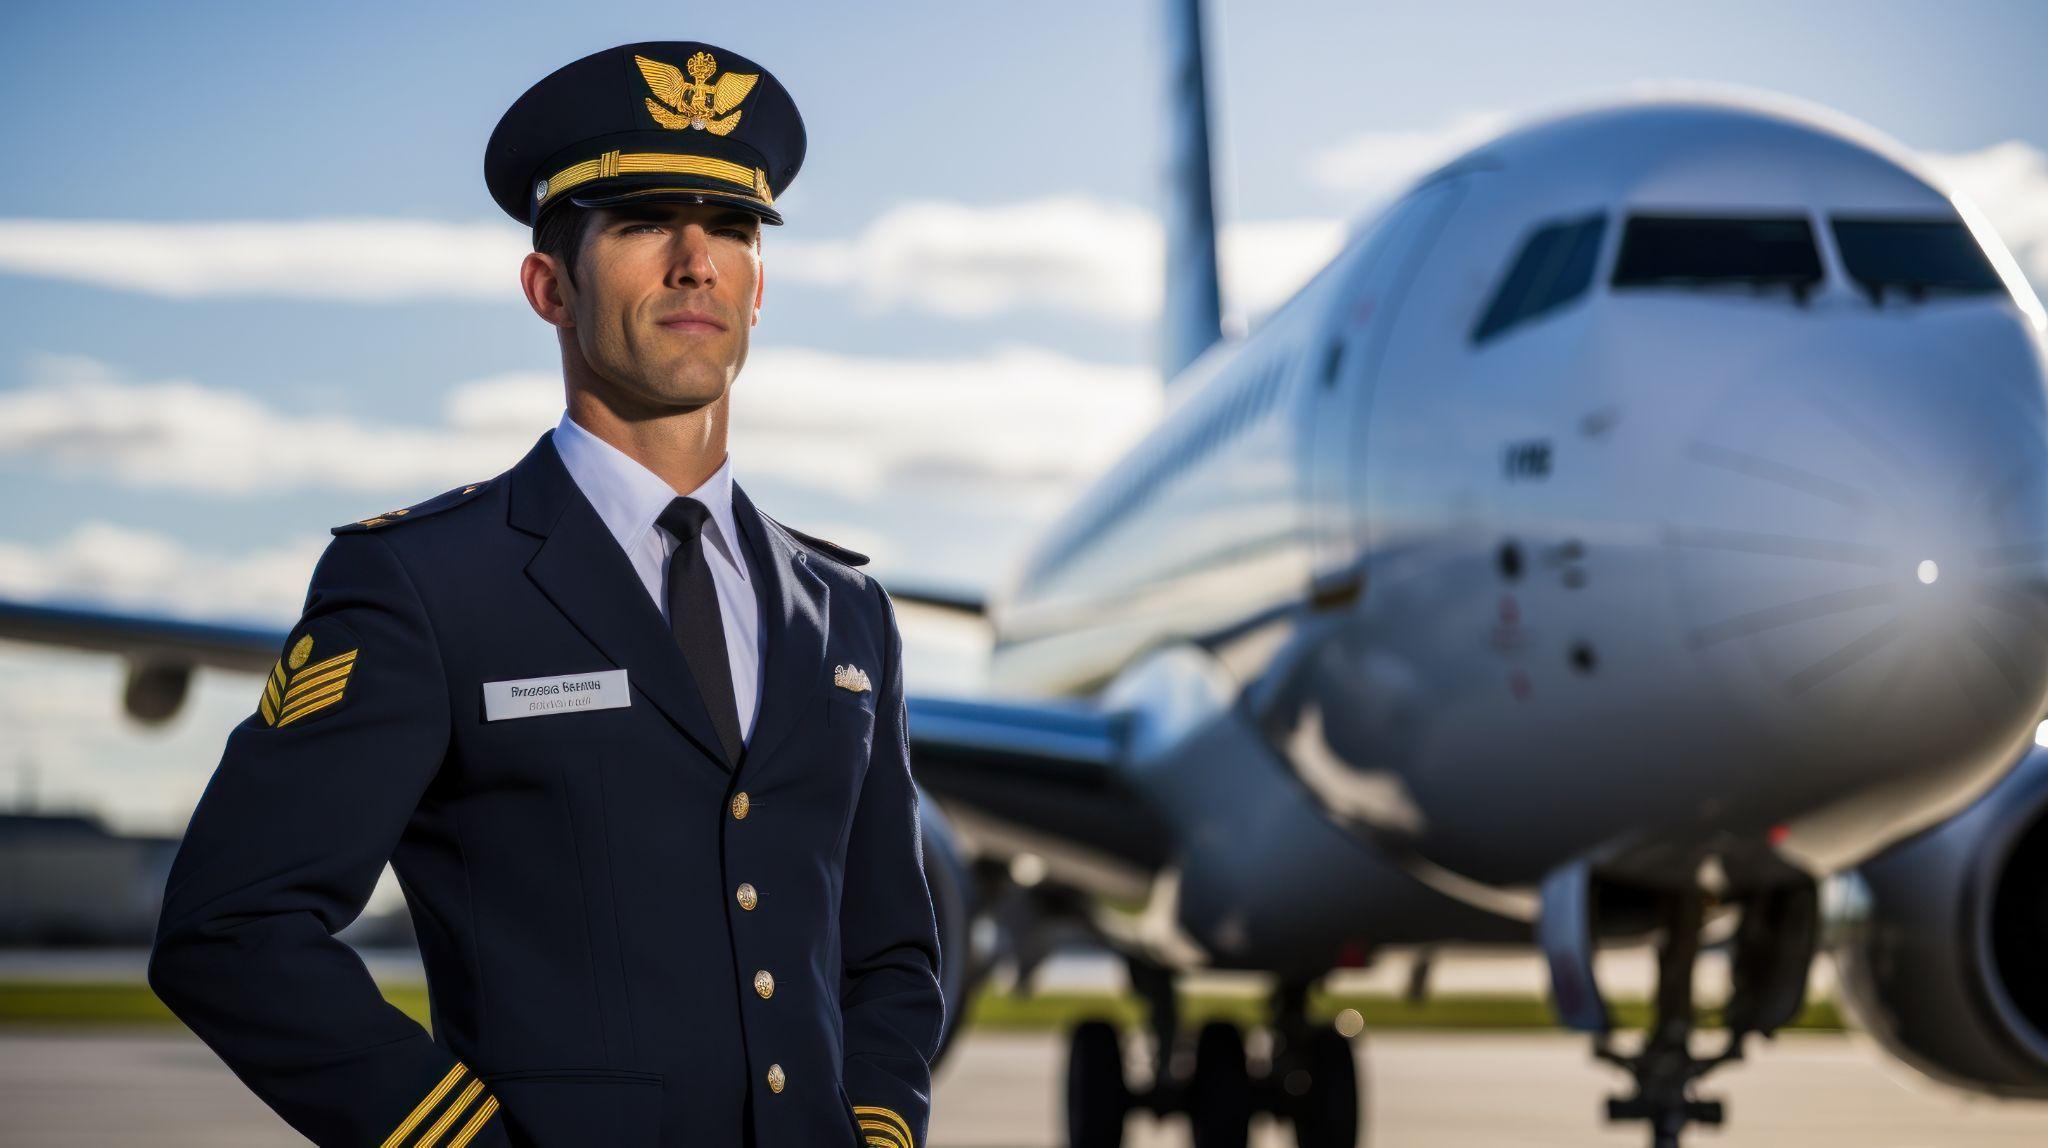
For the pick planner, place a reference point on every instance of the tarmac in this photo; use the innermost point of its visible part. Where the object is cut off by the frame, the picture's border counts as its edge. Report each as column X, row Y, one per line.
column 67, row 1089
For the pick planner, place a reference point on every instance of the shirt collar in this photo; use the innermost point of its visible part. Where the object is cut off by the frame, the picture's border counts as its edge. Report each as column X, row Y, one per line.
column 629, row 497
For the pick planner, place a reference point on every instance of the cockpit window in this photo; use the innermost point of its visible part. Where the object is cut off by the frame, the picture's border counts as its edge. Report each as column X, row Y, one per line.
column 1913, row 257
column 1705, row 252
column 1554, row 267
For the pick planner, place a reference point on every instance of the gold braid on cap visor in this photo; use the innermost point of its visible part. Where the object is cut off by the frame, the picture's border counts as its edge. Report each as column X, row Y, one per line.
column 752, row 181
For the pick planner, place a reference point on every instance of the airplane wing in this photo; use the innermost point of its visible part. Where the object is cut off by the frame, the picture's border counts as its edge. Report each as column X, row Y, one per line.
column 1050, row 771
column 1022, row 773
column 144, row 639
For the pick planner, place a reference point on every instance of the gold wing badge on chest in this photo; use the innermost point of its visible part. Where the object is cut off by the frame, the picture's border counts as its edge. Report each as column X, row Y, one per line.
column 850, row 677
column 296, row 688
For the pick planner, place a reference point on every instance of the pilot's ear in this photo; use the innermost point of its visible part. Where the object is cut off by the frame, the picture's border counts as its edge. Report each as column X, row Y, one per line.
column 547, row 289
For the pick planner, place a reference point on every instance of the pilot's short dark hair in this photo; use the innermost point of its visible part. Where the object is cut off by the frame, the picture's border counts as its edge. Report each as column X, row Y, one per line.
column 560, row 234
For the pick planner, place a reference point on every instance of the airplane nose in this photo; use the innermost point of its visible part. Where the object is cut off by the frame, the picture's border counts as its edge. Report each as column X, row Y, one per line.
column 1860, row 544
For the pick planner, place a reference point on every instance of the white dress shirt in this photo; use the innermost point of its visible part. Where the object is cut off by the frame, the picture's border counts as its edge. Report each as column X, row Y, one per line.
column 629, row 497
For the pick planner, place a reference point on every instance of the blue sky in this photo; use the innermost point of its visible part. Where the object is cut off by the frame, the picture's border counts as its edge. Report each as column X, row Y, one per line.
column 958, row 326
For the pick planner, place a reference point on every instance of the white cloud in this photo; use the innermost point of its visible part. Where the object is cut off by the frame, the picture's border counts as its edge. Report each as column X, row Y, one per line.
column 119, row 566
column 1069, row 254
column 1265, row 262
column 352, row 260
column 1378, row 163
column 2009, row 182
column 949, row 463
column 82, row 419
column 1072, row 254
column 845, row 423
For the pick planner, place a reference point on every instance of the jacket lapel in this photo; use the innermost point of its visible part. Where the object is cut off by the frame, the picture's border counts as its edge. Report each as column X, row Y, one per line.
column 795, row 619
column 581, row 569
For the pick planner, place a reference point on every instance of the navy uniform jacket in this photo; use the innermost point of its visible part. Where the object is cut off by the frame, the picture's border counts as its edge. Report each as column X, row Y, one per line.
column 627, row 939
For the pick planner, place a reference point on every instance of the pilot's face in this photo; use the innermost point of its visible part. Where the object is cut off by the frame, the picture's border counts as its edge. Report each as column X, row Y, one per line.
column 665, row 297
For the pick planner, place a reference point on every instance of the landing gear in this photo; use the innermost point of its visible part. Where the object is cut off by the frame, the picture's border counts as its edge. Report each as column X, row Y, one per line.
column 1325, row 1106
column 1772, row 950
column 1219, row 1099
column 1310, row 1077
column 1097, row 1097
column 1665, row 1068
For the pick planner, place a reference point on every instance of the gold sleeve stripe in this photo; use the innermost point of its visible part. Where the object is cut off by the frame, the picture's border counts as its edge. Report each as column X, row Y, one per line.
column 420, row 1111
column 306, row 683
column 270, row 695
column 302, row 710
column 476, row 1123
column 874, row 1116
column 883, row 1134
column 338, row 659
column 432, row 1135
column 309, row 697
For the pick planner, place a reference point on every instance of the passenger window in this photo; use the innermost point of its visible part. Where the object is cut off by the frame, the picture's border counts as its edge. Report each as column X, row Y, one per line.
column 1555, row 267
column 1913, row 257
column 1700, row 252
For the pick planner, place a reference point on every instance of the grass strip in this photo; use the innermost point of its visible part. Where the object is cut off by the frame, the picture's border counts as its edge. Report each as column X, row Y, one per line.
column 89, row 1004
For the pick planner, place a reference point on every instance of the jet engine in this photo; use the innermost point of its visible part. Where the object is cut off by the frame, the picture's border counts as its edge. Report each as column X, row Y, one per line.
column 1942, row 941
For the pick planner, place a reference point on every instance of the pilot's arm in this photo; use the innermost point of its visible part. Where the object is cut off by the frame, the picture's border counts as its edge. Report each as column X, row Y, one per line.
column 310, row 798
column 890, row 989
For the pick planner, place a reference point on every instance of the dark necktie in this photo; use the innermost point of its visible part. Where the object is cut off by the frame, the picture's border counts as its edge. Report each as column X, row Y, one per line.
column 693, row 615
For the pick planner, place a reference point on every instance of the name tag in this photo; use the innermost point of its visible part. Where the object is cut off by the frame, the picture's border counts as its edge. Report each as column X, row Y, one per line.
column 570, row 693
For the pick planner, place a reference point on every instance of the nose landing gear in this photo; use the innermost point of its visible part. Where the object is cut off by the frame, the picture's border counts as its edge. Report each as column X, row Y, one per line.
column 1309, row 1078
column 1771, row 953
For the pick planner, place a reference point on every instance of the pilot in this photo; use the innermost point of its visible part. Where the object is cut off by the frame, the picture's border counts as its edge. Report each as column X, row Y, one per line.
column 634, row 749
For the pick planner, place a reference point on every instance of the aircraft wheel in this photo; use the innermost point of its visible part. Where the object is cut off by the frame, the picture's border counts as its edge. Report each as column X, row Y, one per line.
column 1097, row 1096
column 1326, row 1114
column 1220, row 1096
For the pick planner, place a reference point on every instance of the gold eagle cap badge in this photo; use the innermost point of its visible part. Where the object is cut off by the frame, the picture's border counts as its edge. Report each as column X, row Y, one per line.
column 850, row 677
column 695, row 102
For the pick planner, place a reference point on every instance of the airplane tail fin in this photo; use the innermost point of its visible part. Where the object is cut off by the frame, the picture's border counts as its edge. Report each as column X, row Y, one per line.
column 1192, row 318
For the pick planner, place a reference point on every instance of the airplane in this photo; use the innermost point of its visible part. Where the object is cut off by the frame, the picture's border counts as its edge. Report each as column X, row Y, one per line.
column 1637, row 532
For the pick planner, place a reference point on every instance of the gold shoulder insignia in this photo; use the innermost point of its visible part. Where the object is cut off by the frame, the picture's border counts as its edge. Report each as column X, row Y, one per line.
column 696, row 102
column 295, row 689
column 434, row 505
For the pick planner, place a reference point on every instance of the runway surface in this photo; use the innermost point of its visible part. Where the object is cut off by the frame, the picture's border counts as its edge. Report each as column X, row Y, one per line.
column 72, row 1090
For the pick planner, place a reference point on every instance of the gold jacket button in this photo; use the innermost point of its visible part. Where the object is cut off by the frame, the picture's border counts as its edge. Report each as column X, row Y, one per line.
column 748, row 897
column 740, row 805
column 764, row 984
column 775, row 1078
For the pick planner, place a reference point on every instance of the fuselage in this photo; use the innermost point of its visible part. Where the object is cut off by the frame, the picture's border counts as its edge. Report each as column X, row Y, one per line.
column 1691, row 458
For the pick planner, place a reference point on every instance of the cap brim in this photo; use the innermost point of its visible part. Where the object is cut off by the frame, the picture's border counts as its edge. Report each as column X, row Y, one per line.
column 677, row 195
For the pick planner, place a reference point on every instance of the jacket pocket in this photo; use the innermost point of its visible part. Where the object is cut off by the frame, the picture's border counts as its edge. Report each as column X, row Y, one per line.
column 571, row 1107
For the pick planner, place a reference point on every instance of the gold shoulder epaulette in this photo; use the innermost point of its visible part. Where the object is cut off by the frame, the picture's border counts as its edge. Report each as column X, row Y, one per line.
column 434, row 505
column 850, row 557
